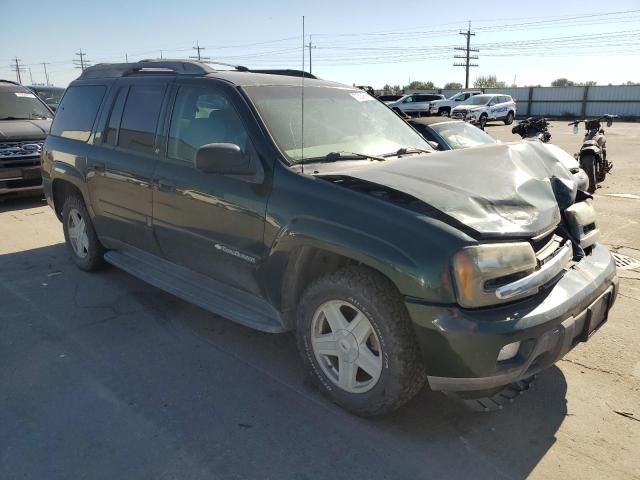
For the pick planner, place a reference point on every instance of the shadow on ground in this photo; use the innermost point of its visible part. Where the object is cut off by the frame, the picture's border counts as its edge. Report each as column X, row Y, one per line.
column 103, row 376
column 15, row 202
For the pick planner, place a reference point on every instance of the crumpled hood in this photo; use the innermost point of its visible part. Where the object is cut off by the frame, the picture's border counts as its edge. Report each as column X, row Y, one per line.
column 501, row 190
column 24, row 129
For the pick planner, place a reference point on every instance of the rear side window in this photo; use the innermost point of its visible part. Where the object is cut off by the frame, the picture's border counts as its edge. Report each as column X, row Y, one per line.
column 140, row 117
column 76, row 114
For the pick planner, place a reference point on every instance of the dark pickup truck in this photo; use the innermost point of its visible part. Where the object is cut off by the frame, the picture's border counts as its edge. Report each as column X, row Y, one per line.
column 24, row 123
column 472, row 270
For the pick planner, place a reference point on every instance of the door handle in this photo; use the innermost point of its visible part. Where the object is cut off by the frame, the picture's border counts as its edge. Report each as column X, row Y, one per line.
column 98, row 166
column 166, row 186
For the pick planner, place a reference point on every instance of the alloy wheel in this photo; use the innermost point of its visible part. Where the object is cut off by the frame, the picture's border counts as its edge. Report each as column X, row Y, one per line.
column 77, row 229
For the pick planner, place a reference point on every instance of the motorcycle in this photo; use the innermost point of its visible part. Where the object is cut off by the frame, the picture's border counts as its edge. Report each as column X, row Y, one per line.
column 593, row 153
column 532, row 127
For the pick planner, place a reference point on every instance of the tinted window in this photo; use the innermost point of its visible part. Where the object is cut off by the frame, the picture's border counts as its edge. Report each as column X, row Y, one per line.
column 140, row 117
column 77, row 112
column 114, row 117
column 202, row 116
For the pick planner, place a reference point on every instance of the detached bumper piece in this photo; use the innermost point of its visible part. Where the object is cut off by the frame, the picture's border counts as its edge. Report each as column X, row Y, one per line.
column 581, row 218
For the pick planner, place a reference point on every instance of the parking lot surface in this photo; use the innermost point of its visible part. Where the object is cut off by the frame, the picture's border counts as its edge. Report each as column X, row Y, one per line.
column 104, row 376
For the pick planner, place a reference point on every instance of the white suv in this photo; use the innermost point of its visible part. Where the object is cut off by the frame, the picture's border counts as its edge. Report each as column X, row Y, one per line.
column 443, row 107
column 482, row 108
column 416, row 104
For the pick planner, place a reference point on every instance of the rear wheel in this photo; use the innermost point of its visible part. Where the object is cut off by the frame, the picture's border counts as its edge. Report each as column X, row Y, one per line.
column 85, row 248
column 509, row 119
column 356, row 340
column 588, row 164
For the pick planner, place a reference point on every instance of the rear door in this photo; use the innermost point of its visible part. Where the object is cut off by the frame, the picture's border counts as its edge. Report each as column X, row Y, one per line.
column 210, row 223
column 121, row 166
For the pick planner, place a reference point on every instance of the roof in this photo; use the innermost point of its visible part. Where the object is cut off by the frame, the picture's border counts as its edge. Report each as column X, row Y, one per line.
column 432, row 120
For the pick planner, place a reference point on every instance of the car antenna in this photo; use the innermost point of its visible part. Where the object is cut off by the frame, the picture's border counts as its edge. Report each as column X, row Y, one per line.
column 302, row 106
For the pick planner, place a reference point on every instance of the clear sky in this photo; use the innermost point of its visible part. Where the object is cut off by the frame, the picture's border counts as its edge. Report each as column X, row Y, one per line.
column 364, row 42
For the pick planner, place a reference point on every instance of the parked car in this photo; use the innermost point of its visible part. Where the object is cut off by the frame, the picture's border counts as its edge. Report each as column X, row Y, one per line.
column 450, row 134
column 480, row 109
column 393, row 263
column 416, row 104
column 443, row 107
column 50, row 95
column 389, row 98
column 24, row 123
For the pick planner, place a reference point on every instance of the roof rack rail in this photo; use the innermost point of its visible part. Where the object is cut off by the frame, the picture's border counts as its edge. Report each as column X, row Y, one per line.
column 287, row 72
column 9, row 81
column 180, row 67
column 240, row 68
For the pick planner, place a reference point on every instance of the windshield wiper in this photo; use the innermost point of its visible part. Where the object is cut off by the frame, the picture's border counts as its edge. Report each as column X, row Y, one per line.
column 336, row 156
column 406, row 151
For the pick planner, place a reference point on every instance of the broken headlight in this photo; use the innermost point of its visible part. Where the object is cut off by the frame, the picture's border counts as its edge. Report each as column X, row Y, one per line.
column 479, row 270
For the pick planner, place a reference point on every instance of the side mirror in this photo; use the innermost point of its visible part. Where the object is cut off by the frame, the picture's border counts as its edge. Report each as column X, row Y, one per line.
column 223, row 159
column 435, row 145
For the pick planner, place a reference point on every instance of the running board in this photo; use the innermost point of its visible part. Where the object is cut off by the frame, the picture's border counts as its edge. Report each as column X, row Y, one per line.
column 215, row 297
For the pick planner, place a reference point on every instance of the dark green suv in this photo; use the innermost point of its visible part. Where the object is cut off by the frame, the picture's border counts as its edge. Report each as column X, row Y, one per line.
column 284, row 202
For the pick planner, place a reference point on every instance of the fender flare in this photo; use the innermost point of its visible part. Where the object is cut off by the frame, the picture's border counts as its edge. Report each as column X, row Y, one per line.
column 279, row 268
column 64, row 172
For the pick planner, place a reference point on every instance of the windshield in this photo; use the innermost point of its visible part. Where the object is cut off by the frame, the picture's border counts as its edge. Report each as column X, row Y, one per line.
column 335, row 120
column 462, row 135
column 49, row 95
column 478, row 100
column 21, row 105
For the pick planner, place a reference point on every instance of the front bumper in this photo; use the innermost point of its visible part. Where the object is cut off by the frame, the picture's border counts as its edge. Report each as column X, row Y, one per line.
column 19, row 178
column 460, row 347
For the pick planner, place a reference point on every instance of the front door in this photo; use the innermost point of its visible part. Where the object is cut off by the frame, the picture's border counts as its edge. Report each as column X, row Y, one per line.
column 212, row 224
column 121, row 166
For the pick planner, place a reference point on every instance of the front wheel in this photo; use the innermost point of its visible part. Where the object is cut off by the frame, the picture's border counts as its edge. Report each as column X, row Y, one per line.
column 356, row 340
column 444, row 112
column 483, row 121
column 588, row 164
column 509, row 119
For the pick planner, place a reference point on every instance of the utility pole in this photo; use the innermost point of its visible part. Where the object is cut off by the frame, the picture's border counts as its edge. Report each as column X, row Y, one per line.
column 310, row 47
column 30, row 76
column 467, row 56
column 160, row 54
column 81, row 62
column 46, row 75
column 18, row 68
column 126, row 58
column 200, row 58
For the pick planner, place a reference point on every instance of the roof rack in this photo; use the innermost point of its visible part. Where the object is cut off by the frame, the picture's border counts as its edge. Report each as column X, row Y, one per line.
column 9, row 81
column 180, row 67
column 287, row 72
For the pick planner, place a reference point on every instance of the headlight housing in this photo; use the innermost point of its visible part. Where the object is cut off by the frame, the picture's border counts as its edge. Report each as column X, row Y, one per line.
column 480, row 269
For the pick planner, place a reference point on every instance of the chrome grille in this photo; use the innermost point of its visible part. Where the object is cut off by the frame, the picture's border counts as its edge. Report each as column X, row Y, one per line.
column 18, row 150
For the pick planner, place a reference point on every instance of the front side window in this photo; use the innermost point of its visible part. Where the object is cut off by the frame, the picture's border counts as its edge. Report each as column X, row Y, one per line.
column 335, row 120
column 76, row 114
column 140, row 117
column 202, row 116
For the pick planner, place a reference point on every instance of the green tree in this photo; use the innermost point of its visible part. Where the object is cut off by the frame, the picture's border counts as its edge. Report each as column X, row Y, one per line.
column 417, row 85
column 589, row 83
column 488, row 81
column 452, row 86
column 391, row 89
column 562, row 82
column 632, row 83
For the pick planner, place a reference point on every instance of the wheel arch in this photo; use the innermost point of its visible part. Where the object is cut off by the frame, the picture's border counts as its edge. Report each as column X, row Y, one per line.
column 66, row 181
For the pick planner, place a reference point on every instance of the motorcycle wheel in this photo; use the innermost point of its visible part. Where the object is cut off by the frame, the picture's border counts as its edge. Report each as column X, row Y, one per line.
column 588, row 164
column 601, row 172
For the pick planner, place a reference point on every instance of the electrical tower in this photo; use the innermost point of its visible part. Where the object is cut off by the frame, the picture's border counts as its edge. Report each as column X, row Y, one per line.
column 199, row 57
column 46, row 75
column 18, row 68
column 81, row 62
column 467, row 56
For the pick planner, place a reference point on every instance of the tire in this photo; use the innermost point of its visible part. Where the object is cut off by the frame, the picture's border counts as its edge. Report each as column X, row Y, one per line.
column 80, row 236
column 359, row 295
column 588, row 164
column 483, row 121
column 444, row 112
column 509, row 119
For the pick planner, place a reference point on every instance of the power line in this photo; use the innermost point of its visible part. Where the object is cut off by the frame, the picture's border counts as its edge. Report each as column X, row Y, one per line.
column 18, row 68
column 468, row 57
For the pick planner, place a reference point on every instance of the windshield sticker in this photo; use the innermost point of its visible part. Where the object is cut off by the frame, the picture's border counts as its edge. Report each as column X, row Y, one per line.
column 362, row 96
column 25, row 95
